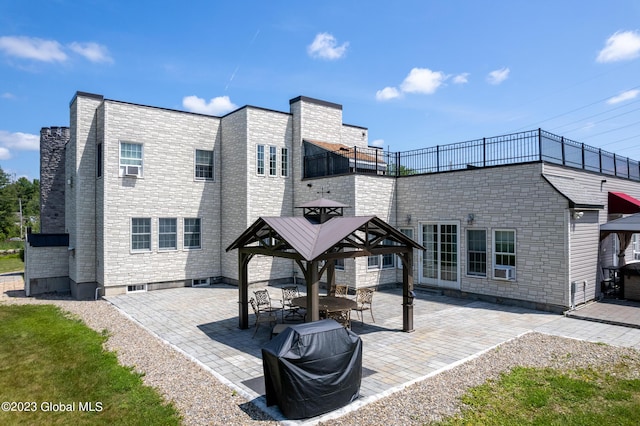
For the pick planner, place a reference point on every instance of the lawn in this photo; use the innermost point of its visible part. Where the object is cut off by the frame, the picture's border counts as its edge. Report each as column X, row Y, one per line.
column 54, row 370
column 530, row 396
column 11, row 263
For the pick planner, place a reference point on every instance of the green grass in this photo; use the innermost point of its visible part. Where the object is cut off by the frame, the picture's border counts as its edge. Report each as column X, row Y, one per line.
column 11, row 263
column 8, row 245
column 529, row 396
column 47, row 357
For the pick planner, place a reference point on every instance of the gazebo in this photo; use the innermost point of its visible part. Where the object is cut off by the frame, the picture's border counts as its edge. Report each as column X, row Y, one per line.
column 314, row 241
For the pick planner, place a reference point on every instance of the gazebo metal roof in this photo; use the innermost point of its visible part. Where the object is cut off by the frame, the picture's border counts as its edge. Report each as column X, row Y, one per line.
column 309, row 241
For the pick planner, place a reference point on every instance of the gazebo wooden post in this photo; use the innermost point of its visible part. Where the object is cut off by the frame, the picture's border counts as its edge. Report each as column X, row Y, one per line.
column 243, row 288
column 407, row 291
column 331, row 275
column 312, row 278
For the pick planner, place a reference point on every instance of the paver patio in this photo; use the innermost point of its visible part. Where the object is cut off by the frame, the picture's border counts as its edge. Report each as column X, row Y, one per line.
column 203, row 323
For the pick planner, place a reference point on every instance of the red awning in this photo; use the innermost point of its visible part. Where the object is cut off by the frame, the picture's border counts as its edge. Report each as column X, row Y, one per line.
column 619, row 202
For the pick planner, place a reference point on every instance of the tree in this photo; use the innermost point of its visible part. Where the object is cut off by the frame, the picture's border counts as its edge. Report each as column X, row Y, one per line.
column 13, row 196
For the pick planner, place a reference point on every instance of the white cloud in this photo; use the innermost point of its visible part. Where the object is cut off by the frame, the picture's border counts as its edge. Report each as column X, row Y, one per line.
column 423, row 80
column 216, row 106
column 387, row 93
column 94, row 52
column 498, row 76
column 324, row 46
column 33, row 48
column 621, row 46
column 8, row 95
column 378, row 143
column 461, row 78
column 4, row 153
column 19, row 140
column 624, row 96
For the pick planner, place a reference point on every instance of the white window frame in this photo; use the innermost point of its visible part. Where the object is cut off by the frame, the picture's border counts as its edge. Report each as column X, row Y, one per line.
column 273, row 161
column 196, row 165
column 174, row 233
column 284, row 162
column 190, row 233
column 408, row 232
column 635, row 247
column 380, row 261
column 339, row 264
column 134, row 234
column 260, row 160
column 486, row 263
column 497, row 253
column 130, row 161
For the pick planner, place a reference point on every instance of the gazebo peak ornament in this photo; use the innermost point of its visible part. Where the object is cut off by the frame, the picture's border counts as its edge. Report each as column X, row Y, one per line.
column 322, row 209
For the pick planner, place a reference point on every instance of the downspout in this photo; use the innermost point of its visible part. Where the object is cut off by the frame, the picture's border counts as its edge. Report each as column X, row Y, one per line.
column 567, row 243
column 95, row 204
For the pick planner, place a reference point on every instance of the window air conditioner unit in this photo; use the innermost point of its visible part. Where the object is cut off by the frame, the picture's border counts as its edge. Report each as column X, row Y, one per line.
column 504, row 272
column 132, row 171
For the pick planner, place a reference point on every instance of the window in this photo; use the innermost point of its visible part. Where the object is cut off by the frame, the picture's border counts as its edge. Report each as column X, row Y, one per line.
column 409, row 233
column 167, row 234
column 273, row 161
column 284, row 159
column 504, row 254
column 99, row 160
column 136, row 288
column 339, row 264
column 192, row 233
column 140, row 234
column 260, row 160
column 636, row 246
column 373, row 262
column 199, row 282
column 477, row 252
column 204, row 165
column 386, row 260
column 130, row 159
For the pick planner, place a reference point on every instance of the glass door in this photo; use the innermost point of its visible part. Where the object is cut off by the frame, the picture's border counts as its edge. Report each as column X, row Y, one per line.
column 439, row 264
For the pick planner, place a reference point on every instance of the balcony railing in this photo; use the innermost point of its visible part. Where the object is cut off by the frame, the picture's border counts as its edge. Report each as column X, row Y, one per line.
column 515, row 148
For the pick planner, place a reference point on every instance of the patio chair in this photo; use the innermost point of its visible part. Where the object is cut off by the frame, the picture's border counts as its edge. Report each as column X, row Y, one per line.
column 294, row 312
column 262, row 316
column 341, row 290
column 265, row 303
column 342, row 317
column 364, row 301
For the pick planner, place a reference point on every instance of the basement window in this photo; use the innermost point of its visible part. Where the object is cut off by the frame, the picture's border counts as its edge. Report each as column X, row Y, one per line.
column 137, row 288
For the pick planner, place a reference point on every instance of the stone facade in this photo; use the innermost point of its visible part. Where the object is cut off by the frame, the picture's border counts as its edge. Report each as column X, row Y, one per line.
column 52, row 178
column 555, row 253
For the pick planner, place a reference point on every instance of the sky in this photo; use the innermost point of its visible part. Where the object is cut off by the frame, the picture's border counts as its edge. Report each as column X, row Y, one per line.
column 415, row 73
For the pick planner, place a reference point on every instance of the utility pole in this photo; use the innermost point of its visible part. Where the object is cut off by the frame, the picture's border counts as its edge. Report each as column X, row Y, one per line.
column 21, row 221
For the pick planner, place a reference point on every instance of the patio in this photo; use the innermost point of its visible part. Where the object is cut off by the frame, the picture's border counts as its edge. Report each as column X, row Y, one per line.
column 202, row 322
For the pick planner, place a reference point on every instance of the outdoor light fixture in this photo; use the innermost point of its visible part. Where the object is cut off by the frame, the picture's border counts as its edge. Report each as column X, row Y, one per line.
column 471, row 218
column 408, row 218
column 577, row 215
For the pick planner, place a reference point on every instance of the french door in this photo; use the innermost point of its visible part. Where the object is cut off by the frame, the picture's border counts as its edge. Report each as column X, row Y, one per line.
column 440, row 264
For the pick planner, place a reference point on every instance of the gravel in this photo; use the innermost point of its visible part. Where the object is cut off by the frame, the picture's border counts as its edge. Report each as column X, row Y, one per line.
column 202, row 399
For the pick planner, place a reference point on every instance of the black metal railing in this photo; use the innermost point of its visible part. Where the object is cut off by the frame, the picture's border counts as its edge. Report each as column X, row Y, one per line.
column 515, row 148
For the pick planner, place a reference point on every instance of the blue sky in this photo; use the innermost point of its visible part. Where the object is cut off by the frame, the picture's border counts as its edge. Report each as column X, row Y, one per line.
column 416, row 73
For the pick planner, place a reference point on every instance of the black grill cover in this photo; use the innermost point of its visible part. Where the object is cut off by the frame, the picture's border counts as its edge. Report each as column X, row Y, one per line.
column 312, row 368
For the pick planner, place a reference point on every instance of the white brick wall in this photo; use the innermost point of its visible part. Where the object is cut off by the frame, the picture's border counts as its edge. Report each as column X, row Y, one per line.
column 167, row 189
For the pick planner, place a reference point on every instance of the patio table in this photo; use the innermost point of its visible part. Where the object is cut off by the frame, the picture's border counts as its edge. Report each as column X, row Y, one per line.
column 328, row 303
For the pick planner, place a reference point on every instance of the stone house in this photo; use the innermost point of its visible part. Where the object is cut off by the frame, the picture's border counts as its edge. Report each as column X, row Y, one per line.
column 153, row 196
